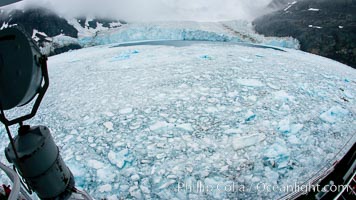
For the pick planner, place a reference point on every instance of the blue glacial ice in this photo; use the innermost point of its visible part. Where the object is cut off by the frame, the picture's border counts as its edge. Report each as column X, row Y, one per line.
column 334, row 114
column 230, row 31
column 227, row 31
column 286, row 127
column 277, row 155
column 246, row 141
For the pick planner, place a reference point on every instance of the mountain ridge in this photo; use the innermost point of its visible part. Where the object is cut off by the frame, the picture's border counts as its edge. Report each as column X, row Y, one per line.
column 48, row 29
column 323, row 27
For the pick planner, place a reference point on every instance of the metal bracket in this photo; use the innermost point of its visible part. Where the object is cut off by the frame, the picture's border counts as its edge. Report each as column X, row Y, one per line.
column 41, row 93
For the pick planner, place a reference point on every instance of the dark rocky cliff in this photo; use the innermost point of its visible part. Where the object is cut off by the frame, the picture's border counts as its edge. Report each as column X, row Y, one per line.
column 323, row 27
column 43, row 25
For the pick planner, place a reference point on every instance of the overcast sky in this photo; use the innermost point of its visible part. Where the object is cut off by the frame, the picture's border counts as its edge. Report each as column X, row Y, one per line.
column 200, row 10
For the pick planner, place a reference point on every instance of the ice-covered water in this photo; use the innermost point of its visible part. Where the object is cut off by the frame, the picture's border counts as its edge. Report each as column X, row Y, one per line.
column 154, row 122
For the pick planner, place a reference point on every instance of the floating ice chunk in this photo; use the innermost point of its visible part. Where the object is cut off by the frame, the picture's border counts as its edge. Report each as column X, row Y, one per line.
column 284, row 126
column 252, row 98
column 95, row 164
column 246, row 141
column 214, row 183
column 160, row 124
column 211, row 109
column 109, row 126
column 250, row 82
column 135, row 124
column 187, row 127
column 120, row 57
column 293, row 139
column 295, row 128
column 112, row 197
column 333, row 114
column 285, row 107
column 124, row 187
column 125, row 111
column 206, row 57
column 161, row 156
column 283, row 163
column 167, row 184
column 106, row 174
column 145, row 189
column 109, row 114
column 233, row 131
column 189, row 168
column 135, row 192
column 271, row 175
column 119, row 159
column 67, row 138
column 172, row 176
column 105, row 188
column 278, row 154
column 78, row 171
column 224, row 168
column 135, row 177
column 283, row 96
column 233, row 94
column 211, row 181
column 135, row 51
column 124, row 56
column 90, row 139
column 273, row 86
column 249, row 116
column 246, row 59
column 348, row 94
column 236, row 109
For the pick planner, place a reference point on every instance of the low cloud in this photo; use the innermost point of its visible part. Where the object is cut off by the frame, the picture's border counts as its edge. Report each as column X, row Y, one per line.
column 155, row 10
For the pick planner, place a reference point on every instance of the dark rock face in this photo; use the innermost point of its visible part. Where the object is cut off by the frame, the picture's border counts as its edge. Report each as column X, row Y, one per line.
column 64, row 49
column 107, row 23
column 278, row 4
column 323, row 27
column 43, row 25
column 41, row 20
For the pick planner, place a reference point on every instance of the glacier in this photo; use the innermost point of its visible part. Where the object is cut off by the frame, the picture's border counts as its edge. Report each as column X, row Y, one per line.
column 229, row 31
column 139, row 121
column 226, row 31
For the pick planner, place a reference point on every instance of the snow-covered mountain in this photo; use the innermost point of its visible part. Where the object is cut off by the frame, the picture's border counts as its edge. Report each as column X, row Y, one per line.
column 53, row 33
column 323, row 27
